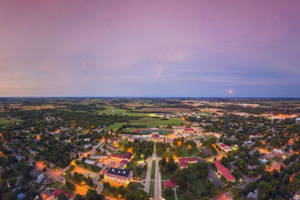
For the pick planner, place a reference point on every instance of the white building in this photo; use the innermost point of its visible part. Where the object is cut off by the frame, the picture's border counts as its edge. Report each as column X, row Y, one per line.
column 298, row 121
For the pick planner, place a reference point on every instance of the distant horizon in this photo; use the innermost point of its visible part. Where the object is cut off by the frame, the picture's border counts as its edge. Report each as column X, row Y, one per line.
column 172, row 97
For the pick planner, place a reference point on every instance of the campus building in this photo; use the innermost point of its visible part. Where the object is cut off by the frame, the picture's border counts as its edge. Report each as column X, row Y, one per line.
column 224, row 171
column 119, row 176
column 183, row 162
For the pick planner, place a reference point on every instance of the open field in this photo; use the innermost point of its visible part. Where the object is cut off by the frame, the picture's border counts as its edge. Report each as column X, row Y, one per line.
column 166, row 109
column 153, row 169
column 154, row 122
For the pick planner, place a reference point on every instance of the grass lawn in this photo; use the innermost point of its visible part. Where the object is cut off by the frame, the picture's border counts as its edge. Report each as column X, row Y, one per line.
column 151, row 188
column 151, row 122
column 114, row 126
column 165, row 176
column 153, row 169
column 110, row 110
column 4, row 121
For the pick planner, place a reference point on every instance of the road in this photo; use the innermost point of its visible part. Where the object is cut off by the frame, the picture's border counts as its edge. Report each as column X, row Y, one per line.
column 157, row 183
column 157, row 186
column 149, row 167
column 148, row 175
column 92, row 151
column 241, row 185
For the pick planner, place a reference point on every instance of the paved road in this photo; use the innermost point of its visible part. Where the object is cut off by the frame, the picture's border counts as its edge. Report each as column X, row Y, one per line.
column 92, row 151
column 149, row 167
column 157, row 187
column 148, row 175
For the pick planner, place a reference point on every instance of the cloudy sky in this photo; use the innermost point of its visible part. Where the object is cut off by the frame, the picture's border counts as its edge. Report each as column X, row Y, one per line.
column 150, row 48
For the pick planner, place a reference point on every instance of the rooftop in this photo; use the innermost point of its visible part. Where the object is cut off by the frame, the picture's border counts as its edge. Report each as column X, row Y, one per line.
column 119, row 172
column 224, row 171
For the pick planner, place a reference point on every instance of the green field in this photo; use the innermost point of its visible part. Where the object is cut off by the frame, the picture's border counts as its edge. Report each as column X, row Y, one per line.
column 151, row 122
column 114, row 126
column 151, row 188
column 160, row 131
column 4, row 121
column 153, row 169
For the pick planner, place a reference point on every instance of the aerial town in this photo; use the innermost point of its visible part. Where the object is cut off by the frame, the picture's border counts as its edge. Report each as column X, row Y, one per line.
column 149, row 148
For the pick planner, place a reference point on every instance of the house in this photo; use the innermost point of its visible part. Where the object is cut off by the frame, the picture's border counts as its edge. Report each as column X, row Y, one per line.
column 125, row 156
column 263, row 161
column 253, row 195
column 224, row 171
column 224, row 147
column 275, row 166
column 277, row 153
column 170, row 183
column 183, row 162
column 119, row 176
column 90, row 162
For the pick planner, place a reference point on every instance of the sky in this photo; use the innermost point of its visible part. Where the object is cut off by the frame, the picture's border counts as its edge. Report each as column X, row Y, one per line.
column 164, row 48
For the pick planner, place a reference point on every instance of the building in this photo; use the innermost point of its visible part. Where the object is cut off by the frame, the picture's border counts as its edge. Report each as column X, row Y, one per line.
column 119, row 176
column 224, row 171
column 170, row 183
column 298, row 121
column 183, row 162
column 275, row 166
column 125, row 156
column 224, row 147
column 263, row 161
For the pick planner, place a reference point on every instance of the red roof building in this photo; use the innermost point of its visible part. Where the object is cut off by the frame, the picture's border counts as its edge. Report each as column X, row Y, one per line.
column 183, row 162
column 125, row 156
column 224, row 171
column 170, row 183
column 155, row 135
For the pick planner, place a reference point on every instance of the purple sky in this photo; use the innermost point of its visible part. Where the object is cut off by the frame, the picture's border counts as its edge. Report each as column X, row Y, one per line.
column 150, row 48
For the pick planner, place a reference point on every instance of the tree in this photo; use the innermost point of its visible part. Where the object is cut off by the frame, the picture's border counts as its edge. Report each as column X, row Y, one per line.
column 236, row 194
column 70, row 185
column 92, row 195
column 79, row 197
column 11, row 196
column 62, row 196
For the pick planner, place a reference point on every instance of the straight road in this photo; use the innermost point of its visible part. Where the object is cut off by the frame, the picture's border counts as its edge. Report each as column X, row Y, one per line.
column 149, row 165
column 157, row 187
column 148, row 175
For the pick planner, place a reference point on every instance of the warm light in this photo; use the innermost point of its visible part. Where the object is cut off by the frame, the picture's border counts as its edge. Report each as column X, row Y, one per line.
column 82, row 190
column 40, row 165
column 129, row 150
column 174, row 158
column 179, row 143
column 57, row 131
